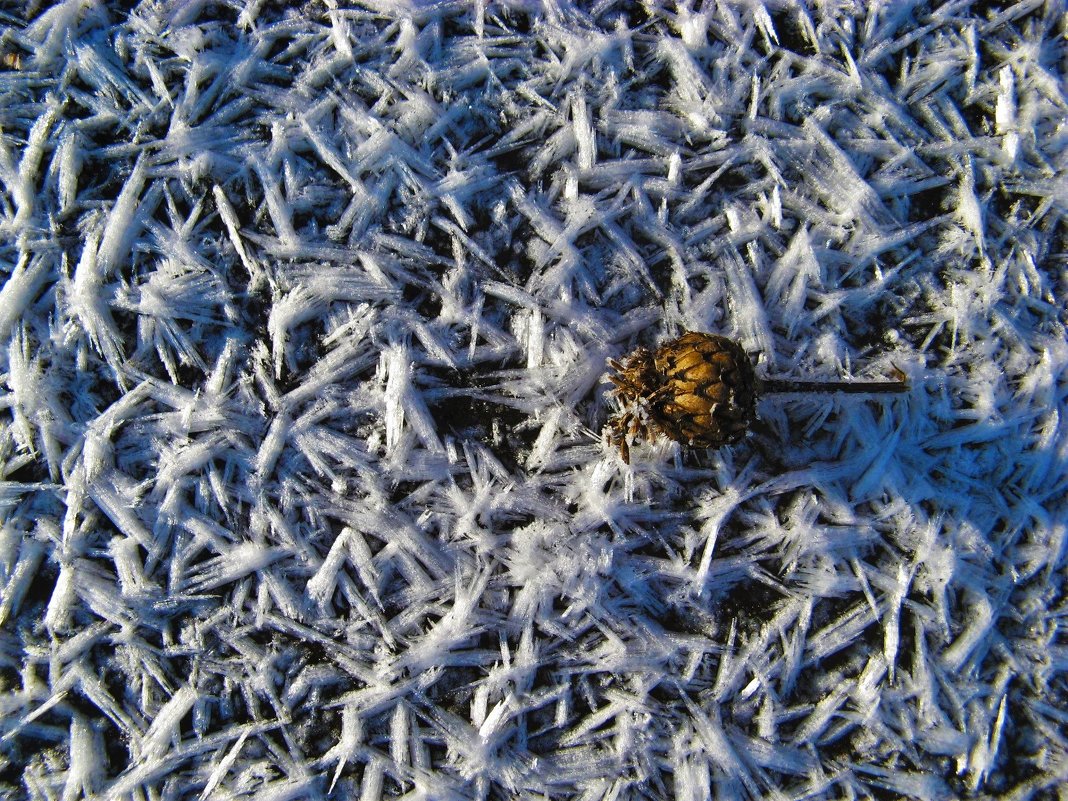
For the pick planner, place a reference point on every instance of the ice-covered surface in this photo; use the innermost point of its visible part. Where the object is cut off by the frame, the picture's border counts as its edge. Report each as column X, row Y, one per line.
column 302, row 332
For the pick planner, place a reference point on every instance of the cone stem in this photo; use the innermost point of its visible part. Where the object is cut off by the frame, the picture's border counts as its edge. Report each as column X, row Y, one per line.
column 861, row 387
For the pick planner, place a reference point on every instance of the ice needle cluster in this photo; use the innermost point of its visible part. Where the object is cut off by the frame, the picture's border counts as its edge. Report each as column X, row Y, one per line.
column 304, row 322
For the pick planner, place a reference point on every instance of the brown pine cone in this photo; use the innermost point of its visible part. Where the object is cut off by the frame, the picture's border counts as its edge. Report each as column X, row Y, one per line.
column 699, row 389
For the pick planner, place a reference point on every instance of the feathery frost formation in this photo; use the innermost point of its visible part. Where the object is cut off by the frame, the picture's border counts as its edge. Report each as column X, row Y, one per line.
column 303, row 325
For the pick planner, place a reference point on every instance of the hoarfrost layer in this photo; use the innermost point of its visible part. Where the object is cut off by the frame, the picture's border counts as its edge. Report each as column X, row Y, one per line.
column 304, row 323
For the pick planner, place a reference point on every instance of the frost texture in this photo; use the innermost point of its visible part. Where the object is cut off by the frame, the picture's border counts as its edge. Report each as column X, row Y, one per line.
column 303, row 326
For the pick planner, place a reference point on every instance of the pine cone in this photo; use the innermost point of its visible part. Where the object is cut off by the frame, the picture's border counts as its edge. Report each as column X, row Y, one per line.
column 710, row 397
column 699, row 389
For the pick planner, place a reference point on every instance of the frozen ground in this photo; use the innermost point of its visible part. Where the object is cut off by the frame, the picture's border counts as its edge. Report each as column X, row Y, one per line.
column 304, row 324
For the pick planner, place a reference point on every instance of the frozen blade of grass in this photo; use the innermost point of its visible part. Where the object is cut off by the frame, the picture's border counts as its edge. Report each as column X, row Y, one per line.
column 96, row 64
column 748, row 312
column 373, row 781
column 224, row 765
column 143, row 773
column 99, row 594
column 892, row 621
column 271, row 447
column 459, row 625
column 1005, row 112
column 87, row 760
column 300, row 304
column 876, row 473
column 9, row 175
column 395, row 367
column 50, row 30
column 968, row 210
column 984, row 754
column 25, row 190
column 21, row 289
column 125, row 219
column 111, row 496
column 794, row 651
column 125, row 554
column 981, row 618
column 165, row 724
column 312, row 299
column 89, row 303
column 280, row 211
column 840, row 632
column 233, row 565
column 130, row 723
column 57, row 693
column 188, row 458
column 545, row 444
column 584, row 134
column 229, row 218
column 362, row 558
column 329, row 156
column 476, row 758
column 844, row 188
column 40, row 423
column 18, row 580
column 791, row 761
column 321, row 585
column 793, row 274
column 815, row 723
column 404, row 403
column 720, row 750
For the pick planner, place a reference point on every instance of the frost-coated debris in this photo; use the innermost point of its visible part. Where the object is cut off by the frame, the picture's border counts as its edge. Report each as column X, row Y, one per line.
column 303, row 329
column 701, row 390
